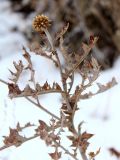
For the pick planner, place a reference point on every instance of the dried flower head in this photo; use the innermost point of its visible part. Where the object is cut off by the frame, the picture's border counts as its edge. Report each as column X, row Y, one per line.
column 40, row 23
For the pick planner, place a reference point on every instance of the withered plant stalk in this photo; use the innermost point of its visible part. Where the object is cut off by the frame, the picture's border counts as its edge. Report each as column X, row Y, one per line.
column 88, row 70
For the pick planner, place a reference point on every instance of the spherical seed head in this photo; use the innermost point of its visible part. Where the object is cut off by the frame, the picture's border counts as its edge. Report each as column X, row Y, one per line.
column 40, row 23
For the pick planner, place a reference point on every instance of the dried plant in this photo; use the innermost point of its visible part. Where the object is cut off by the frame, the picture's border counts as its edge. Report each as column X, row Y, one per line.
column 88, row 69
column 114, row 152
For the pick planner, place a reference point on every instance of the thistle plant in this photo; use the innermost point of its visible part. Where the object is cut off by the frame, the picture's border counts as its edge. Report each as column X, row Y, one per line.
column 41, row 24
column 88, row 70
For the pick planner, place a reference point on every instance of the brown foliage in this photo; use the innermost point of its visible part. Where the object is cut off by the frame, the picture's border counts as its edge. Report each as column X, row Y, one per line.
column 88, row 70
column 114, row 152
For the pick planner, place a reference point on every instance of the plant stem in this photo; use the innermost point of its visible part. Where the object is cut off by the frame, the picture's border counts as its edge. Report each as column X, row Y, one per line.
column 63, row 83
column 49, row 38
column 36, row 104
column 42, row 108
column 36, row 136
column 66, row 151
column 59, row 64
column 3, row 81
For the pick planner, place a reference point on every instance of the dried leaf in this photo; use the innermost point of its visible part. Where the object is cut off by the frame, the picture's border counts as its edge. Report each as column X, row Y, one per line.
column 42, row 125
column 27, row 56
column 19, row 68
column 46, row 86
column 38, row 50
column 71, row 138
column 14, row 138
column 38, row 87
column 92, row 155
column 71, row 77
column 95, row 64
column 85, row 48
column 20, row 128
column 55, row 155
column 88, row 47
column 86, row 136
column 62, row 32
column 91, row 40
column 114, row 152
column 109, row 85
column 102, row 88
column 58, row 87
column 13, row 90
column 28, row 90
column 80, row 141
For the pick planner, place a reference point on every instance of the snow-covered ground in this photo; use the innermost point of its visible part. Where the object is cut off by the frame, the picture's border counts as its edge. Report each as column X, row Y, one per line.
column 100, row 113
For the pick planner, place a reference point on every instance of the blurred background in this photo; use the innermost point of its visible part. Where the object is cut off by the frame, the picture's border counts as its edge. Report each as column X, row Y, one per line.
column 86, row 17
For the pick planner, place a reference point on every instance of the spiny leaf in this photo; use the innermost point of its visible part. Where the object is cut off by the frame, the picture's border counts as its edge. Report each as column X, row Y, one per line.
column 14, row 138
column 86, row 135
column 19, row 68
column 14, row 90
column 110, row 84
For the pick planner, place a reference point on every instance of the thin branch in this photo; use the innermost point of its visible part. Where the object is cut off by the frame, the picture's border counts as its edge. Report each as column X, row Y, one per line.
column 34, row 83
column 67, row 101
column 27, row 139
column 77, row 65
column 44, row 54
column 36, row 104
column 42, row 108
column 36, row 136
column 66, row 151
column 59, row 65
column 86, row 52
column 49, row 38
column 3, row 81
column 38, row 93
column 84, row 157
column 63, row 83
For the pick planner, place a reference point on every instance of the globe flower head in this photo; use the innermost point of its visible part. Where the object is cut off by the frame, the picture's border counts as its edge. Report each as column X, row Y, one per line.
column 41, row 23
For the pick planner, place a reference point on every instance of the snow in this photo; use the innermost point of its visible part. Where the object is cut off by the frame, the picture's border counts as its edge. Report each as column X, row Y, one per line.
column 100, row 113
